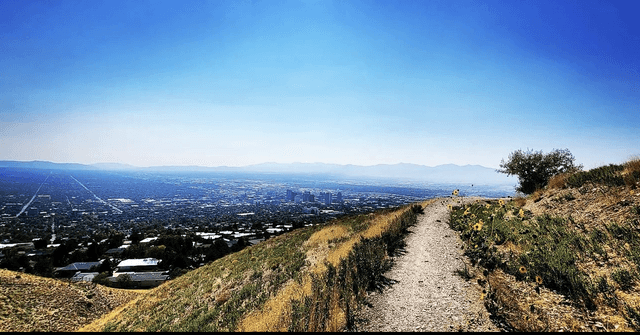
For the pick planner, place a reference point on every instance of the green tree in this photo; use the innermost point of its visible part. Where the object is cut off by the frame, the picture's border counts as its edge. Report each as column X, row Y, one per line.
column 102, row 279
column 40, row 243
column 241, row 244
column 136, row 237
column 124, row 281
column 106, row 267
column 43, row 267
column 218, row 249
column 534, row 168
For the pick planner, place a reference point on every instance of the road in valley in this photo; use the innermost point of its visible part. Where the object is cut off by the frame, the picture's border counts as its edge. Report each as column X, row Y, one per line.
column 34, row 196
column 115, row 209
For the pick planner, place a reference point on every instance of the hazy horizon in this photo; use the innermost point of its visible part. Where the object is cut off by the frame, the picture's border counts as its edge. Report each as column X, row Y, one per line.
column 238, row 83
column 212, row 166
column 398, row 173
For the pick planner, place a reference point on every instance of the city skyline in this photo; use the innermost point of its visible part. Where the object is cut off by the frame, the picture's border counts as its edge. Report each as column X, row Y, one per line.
column 237, row 83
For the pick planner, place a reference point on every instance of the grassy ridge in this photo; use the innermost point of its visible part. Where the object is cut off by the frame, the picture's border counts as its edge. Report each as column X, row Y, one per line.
column 564, row 258
column 308, row 279
column 32, row 303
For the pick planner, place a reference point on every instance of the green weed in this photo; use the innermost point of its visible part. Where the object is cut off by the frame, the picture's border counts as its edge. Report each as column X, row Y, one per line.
column 464, row 273
column 606, row 175
column 549, row 247
column 624, row 278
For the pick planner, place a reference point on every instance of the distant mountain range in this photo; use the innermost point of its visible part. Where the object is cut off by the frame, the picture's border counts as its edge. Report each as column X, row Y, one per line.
column 447, row 173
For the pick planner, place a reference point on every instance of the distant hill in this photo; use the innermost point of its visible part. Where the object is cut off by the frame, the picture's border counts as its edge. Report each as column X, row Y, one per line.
column 46, row 165
column 447, row 173
column 113, row 166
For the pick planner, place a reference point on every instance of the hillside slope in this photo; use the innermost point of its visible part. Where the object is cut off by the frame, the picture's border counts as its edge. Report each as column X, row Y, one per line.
column 32, row 303
column 310, row 279
column 564, row 258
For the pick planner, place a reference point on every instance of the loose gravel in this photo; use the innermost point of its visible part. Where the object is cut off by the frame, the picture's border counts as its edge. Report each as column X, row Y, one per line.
column 424, row 292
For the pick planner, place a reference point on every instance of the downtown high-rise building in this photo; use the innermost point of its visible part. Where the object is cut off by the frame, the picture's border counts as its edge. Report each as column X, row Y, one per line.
column 290, row 195
column 326, row 198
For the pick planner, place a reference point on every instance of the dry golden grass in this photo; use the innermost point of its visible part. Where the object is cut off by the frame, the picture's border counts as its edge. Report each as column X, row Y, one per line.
column 632, row 165
column 520, row 201
column 275, row 316
column 558, row 181
column 529, row 310
column 327, row 234
column 98, row 324
column 276, row 313
column 631, row 171
column 536, row 196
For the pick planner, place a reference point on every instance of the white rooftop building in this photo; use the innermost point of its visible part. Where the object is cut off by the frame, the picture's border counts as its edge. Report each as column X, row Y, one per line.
column 136, row 265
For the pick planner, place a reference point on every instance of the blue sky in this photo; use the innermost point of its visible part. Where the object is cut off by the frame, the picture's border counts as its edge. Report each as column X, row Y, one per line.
column 235, row 83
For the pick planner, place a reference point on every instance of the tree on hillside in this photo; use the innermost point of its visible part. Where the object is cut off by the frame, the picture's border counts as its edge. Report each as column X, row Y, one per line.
column 534, row 168
column 135, row 237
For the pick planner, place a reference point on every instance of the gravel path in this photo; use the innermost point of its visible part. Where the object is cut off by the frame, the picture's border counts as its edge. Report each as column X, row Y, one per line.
column 425, row 294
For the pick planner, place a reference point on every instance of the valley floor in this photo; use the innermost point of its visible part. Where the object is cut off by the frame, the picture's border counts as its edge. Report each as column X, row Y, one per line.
column 424, row 291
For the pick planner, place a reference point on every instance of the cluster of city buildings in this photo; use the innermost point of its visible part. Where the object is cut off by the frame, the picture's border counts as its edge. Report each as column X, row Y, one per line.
column 306, row 196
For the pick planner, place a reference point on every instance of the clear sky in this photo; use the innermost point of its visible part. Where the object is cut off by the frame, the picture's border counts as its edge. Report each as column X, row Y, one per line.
column 235, row 83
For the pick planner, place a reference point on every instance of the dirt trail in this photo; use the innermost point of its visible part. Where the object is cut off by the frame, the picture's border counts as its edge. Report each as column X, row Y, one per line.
column 425, row 294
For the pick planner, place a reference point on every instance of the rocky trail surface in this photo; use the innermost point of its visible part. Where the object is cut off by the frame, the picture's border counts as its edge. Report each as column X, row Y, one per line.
column 424, row 291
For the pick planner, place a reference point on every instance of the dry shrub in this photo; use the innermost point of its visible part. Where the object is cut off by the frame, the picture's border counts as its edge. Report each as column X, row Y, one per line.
column 631, row 172
column 222, row 297
column 503, row 303
column 632, row 165
column 537, row 195
column 522, row 308
column 520, row 201
column 558, row 181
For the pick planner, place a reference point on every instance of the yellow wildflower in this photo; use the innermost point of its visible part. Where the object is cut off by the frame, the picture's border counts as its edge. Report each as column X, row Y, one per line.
column 501, row 202
column 450, row 207
column 521, row 214
column 539, row 280
column 455, row 192
column 522, row 270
